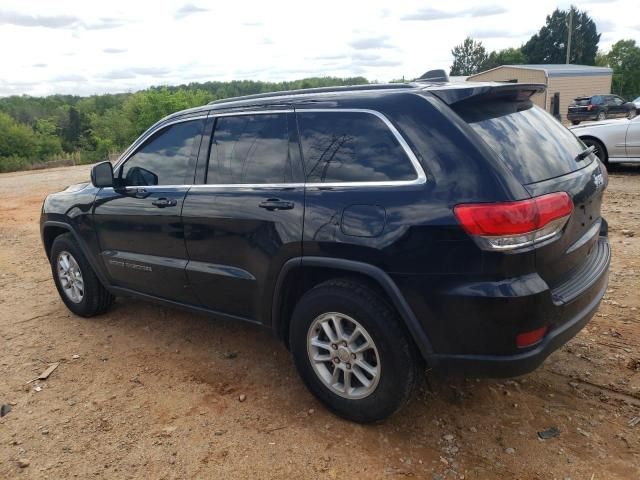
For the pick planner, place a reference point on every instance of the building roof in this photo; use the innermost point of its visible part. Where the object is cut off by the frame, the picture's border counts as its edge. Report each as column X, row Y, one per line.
column 560, row 70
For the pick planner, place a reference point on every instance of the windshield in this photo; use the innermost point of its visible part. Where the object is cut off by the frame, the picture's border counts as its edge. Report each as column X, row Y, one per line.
column 533, row 144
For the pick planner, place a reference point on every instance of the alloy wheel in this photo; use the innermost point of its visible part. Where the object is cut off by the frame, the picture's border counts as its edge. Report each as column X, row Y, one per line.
column 70, row 277
column 343, row 355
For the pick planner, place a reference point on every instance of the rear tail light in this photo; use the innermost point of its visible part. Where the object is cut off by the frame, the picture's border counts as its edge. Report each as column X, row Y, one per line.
column 589, row 107
column 510, row 225
column 527, row 339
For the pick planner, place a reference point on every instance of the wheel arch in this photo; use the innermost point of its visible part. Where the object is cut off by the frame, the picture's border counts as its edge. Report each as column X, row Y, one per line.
column 300, row 274
column 51, row 229
column 593, row 137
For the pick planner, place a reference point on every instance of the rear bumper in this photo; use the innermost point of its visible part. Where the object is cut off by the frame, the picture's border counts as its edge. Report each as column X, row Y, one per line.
column 592, row 115
column 513, row 365
column 476, row 323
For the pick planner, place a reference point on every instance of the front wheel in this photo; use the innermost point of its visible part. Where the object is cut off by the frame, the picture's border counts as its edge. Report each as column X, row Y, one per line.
column 78, row 286
column 352, row 352
column 632, row 113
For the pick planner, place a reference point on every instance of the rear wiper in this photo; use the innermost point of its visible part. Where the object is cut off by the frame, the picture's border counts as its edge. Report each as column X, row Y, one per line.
column 585, row 153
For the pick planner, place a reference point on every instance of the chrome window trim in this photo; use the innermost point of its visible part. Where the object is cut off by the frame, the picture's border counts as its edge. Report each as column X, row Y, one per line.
column 420, row 179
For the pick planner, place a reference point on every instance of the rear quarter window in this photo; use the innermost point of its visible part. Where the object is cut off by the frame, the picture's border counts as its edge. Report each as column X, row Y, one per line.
column 533, row 145
column 351, row 147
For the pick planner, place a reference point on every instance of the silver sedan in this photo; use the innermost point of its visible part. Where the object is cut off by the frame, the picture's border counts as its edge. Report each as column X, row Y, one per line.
column 614, row 141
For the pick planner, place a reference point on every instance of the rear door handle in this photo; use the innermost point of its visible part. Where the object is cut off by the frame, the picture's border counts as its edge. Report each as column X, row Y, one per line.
column 165, row 202
column 276, row 204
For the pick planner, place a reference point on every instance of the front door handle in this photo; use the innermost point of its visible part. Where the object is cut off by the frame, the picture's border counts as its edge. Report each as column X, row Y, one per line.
column 165, row 202
column 276, row 204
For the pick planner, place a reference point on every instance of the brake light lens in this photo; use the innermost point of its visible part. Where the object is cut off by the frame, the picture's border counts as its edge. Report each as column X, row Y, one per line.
column 511, row 225
column 589, row 107
column 530, row 338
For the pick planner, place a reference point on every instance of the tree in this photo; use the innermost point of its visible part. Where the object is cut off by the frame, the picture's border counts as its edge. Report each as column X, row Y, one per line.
column 468, row 57
column 549, row 45
column 508, row 56
column 624, row 59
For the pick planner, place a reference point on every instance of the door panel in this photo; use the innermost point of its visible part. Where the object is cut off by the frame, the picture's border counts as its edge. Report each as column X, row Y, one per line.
column 237, row 247
column 138, row 222
column 243, row 225
column 633, row 138
column 143, row 244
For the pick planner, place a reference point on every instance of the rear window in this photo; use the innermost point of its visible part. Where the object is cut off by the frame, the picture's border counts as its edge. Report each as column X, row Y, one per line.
column 533, row 144
column 583, row 101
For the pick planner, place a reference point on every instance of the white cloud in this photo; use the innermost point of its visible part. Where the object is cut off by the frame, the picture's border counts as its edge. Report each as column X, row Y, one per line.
column 123, row 45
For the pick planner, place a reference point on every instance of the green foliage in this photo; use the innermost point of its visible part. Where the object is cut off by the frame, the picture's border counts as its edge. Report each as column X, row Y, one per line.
column 508, row 56
column 89, row 129
column 624, row 59
column 549, row 45
column 468, row 57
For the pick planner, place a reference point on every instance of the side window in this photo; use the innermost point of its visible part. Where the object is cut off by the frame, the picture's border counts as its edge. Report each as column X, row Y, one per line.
column 164, row 159
column 351, row 147
column 250, row 149
column 617, row 101
column 596, row 100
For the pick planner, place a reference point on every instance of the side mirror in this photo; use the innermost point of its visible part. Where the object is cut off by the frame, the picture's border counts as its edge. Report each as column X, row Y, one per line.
column 102, row 175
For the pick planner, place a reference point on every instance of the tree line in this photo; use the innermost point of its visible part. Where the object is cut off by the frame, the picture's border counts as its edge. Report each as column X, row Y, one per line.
column 550, row 45
column 35, row 130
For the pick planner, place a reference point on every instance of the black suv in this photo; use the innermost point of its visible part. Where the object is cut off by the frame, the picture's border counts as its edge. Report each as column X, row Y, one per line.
column 372, row 229
column 599, row 107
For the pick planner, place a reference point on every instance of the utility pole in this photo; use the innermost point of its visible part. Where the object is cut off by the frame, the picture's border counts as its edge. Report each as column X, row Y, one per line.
column 569, row 33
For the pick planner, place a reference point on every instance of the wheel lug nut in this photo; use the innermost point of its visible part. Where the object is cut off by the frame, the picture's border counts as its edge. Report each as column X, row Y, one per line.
column 353, row 355
column 334, row 346
column 344, row 344
column 336, row 360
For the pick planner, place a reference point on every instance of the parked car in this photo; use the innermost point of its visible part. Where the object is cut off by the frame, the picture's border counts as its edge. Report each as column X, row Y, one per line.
column 636, row 102
column 599, row 107
column 614, row 141
column 373, row 229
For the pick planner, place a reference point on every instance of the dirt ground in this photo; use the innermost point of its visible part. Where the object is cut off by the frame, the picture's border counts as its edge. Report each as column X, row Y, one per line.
column 150, row 392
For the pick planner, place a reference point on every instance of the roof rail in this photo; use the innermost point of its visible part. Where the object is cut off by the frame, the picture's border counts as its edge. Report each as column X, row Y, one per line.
column 305, row 91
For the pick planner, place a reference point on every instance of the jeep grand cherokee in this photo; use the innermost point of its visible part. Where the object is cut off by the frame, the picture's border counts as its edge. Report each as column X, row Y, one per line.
column 373, row 229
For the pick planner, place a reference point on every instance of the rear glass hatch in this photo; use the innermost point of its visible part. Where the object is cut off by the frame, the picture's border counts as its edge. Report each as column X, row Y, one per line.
column 545, row 157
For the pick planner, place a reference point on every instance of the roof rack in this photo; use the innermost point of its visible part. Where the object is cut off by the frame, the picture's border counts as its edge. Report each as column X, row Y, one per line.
column 306, row 91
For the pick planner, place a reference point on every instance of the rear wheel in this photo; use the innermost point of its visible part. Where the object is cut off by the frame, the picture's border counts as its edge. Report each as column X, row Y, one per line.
column 352, row 352
column 602, row 115
column 598, row 149
column 77, row 284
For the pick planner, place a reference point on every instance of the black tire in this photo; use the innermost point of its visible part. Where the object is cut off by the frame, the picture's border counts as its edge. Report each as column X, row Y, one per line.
column 399, row 360
column 575, row 122
column 600, row 151
column 602, row 115
column 96, row 299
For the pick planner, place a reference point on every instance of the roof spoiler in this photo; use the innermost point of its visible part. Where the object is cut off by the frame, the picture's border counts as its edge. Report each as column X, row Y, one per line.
column 478, row 92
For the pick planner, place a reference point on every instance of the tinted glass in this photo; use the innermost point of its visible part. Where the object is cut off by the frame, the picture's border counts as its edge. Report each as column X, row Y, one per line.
column 164, row 159
column 617, row 101
column 351, row 147
column 597, row 100
column 531, row 142
column 584, row 101
column 250, row 149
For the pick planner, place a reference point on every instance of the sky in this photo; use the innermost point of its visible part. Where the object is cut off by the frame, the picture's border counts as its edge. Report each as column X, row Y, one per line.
column 85, row 47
